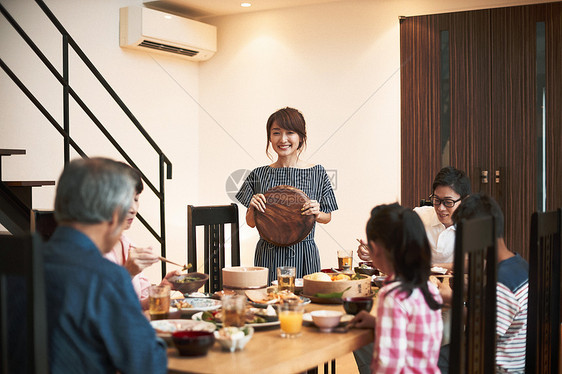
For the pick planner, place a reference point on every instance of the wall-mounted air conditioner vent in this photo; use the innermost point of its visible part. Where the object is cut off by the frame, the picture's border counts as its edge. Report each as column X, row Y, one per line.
column 142, row 28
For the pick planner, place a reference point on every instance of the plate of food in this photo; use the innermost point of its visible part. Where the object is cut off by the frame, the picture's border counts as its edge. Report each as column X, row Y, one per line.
column 271, row 295
column 164, row 328
column 196, row 304
column 258, row 318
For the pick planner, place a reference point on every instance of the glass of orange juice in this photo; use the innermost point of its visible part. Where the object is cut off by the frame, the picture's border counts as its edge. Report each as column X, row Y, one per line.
column 290, row 319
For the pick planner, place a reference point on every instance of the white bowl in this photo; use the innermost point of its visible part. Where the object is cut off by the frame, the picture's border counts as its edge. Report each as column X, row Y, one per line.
column 326, row 320
column 244, row 277
column 234, row 338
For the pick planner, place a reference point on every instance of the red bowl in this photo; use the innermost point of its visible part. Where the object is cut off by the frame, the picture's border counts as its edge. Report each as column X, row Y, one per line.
column 193, row 343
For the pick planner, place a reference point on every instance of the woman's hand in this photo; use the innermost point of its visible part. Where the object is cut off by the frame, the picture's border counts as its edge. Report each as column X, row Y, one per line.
column 363, row 320
column 139, row 259
column 166, row 282
column 363, row 251
column 258, row 202
column 311, row 208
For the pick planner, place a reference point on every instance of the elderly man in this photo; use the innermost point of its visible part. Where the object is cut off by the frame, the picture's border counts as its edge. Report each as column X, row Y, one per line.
column 94, row 317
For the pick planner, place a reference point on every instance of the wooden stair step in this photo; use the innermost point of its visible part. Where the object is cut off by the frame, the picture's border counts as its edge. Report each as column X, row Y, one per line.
column 29, row 183
column 9, row 152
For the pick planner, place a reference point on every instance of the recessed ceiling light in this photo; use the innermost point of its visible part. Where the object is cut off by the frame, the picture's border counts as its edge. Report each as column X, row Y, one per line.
column 246, row 5
column 168, row 17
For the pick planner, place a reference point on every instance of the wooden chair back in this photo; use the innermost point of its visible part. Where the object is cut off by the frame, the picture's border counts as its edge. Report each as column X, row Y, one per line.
column 473, row 331
column 22, row 305
column 543, row 318
column 43, row 222
column 213, row 219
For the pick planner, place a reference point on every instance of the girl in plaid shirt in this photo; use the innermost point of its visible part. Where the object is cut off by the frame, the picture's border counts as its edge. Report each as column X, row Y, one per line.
column 408, row 326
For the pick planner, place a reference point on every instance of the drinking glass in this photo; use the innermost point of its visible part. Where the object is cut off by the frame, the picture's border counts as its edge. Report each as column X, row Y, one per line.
column 234, row 310
column 345, row 259
column 290, row 319
column 286, row 278
column 159, row 301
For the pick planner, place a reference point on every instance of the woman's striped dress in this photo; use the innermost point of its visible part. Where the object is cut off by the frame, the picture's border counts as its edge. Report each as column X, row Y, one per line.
column 315, row 183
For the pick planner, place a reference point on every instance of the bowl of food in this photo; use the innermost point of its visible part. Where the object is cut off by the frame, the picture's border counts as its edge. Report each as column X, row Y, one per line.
column 353, row 305
column 188, row 283
column 379, row 280
column 234, row 338
column 193, row 343
column 330, row 287
column 326, row 320
column 366, row 268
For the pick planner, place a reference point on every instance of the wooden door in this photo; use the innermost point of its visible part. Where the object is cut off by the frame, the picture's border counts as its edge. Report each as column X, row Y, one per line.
column 480, row 91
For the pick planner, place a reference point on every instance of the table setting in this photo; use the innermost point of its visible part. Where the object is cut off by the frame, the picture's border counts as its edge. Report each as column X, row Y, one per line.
column 206, row 332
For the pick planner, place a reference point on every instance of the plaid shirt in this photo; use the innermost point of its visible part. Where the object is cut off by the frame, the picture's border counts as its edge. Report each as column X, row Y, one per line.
column 407, row 333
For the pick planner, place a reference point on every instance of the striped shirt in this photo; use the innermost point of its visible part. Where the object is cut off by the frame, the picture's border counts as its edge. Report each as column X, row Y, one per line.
column 316, row 184
column 407, row 333
column 512, row 295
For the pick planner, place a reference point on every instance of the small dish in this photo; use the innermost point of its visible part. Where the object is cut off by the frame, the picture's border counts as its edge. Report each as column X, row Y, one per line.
column 234, row 338
column 193, row 343
column 326, row 320
column 345, row 319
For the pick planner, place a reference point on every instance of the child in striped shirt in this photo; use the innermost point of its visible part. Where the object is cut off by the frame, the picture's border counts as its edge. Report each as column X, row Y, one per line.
column 408, row 325
column 511, row 290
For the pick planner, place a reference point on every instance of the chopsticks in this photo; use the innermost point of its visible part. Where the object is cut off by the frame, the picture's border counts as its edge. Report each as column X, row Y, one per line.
column 184, row 267
column 362, row 245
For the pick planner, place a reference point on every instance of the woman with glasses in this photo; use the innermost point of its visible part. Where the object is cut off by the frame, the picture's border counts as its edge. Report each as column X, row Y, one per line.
column 450, row 186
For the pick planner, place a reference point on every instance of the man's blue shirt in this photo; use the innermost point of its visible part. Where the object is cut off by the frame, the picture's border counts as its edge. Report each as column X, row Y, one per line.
column 94, row 317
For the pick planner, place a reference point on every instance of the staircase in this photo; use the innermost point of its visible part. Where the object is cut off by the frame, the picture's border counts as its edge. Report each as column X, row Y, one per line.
column 16, row 213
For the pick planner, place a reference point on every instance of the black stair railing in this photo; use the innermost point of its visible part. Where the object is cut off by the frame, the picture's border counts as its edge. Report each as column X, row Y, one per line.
column 67, row 40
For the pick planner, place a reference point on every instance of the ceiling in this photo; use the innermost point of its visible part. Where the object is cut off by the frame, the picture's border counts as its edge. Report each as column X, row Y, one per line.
column 199, row 9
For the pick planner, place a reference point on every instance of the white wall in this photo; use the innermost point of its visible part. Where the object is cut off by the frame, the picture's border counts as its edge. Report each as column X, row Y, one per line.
column 337, row 62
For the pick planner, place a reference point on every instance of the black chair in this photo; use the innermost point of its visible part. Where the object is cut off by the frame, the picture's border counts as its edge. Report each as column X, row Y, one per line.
column 543, row 318
column 473, row 333
column 22, row 305
column 213, row 218
column 43, row 222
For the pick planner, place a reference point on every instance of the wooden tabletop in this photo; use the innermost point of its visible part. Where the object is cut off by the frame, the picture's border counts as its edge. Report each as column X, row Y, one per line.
column 268, row 353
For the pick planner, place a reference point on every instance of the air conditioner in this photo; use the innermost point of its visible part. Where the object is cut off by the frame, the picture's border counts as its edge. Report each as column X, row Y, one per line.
column 152, row 30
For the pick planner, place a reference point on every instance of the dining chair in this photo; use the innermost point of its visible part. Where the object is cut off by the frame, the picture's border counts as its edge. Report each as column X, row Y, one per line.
column 23, row 341
column 473, row 331
column 543, row 314
column 43, row 222
column 213, row 219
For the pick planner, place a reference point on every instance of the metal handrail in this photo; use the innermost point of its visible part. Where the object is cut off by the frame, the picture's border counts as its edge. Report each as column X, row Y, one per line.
column 64, row 130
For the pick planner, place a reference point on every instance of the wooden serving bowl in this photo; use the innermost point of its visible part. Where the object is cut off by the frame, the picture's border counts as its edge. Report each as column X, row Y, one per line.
column 359, row 287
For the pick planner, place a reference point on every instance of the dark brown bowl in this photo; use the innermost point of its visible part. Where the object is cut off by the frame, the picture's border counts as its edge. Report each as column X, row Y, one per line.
column 353, row 305
column 193, row 343
column 188, row 283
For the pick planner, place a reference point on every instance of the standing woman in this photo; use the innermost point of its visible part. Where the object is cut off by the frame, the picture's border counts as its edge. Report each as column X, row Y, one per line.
column 286, row 134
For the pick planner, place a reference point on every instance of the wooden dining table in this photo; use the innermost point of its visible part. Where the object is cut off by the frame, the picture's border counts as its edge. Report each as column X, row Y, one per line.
column 268, row 352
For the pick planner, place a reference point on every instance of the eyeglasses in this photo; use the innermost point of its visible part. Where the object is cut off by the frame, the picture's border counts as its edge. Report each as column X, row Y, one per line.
column 449, row 203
